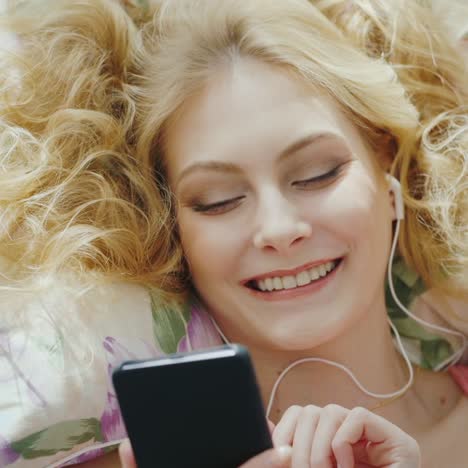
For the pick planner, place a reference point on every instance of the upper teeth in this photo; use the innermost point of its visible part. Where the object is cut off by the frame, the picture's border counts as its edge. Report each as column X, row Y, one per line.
column 301, row 279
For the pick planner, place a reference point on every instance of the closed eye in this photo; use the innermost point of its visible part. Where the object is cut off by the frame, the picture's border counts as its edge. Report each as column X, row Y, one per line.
column 218, row 207
column 320, row 180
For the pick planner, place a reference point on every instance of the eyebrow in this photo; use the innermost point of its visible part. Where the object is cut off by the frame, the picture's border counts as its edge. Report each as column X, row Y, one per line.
column 305, row 141
column 219, row 166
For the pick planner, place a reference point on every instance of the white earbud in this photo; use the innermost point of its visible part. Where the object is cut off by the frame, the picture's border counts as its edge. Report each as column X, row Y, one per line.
column 451, row 360
column 395, row 187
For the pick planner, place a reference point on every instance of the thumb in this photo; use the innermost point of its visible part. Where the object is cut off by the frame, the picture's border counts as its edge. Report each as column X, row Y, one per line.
column 279, row 457
column 271, row 426
column 127, row 458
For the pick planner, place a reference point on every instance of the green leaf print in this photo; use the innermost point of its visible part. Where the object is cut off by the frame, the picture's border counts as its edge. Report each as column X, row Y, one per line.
column 407, row 286
column 435, row 352
column 409, row 328
column 57, row 438
column 169, row 323
column 405, row 274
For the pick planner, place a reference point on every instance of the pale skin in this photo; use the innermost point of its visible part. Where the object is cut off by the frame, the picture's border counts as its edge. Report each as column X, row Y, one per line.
column 271, row 176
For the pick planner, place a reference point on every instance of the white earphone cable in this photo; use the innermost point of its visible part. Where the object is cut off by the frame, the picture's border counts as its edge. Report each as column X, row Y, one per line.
column 408, row 384
column 457, row 354
column 449, row 361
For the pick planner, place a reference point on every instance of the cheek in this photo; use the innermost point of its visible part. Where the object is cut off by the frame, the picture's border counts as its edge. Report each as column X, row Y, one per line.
column 210, row 250
column 357, row 214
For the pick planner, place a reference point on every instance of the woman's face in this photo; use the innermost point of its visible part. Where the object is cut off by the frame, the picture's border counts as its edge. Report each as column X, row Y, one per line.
column 284, row 217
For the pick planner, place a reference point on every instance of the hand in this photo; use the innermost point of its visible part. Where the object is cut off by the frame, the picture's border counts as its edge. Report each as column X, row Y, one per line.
column 335, row 436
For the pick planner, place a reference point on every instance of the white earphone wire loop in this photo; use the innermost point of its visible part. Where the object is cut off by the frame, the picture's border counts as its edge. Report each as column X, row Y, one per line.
column 454, row 358
column 457, row 354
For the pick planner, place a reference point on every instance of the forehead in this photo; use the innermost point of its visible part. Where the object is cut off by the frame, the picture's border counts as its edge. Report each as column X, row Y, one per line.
column 252, row 109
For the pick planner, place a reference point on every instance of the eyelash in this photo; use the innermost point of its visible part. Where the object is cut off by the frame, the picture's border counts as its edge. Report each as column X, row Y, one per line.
column 319, row 179
column 223, row 206
column 216, row 208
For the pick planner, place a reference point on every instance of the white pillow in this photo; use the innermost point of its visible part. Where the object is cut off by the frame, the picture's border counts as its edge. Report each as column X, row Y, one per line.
column 58, row 345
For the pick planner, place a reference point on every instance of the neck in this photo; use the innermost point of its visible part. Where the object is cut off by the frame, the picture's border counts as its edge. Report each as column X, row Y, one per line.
column 366, row 349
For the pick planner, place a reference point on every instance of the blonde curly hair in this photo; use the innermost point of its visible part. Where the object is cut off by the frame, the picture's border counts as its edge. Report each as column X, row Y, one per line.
column 95, row 83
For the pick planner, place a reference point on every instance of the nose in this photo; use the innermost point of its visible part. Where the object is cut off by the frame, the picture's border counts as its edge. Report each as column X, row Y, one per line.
column 280, row 226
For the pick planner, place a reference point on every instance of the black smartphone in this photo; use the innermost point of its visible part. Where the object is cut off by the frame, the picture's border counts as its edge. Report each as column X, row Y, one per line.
column 193, row 410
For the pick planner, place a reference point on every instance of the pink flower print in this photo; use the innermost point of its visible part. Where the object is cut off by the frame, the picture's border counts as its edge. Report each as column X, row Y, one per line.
column 201, row 332
column 117, row 352
column 112, row 426
column 7, row 454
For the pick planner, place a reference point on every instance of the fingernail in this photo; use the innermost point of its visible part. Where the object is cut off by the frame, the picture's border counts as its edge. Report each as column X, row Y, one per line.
column 284, row 452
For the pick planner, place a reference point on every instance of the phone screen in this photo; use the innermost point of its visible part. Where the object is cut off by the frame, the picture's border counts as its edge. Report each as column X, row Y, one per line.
column 199, row 409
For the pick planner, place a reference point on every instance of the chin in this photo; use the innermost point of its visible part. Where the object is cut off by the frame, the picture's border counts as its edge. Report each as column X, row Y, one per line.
column 298, row 334
column 292, row 338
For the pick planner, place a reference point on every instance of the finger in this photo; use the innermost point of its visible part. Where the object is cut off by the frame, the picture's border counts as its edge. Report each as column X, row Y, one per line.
column 284, row 430
column 271, row 426
column 385, row 442
column 304, row 435
column 126, row 455
column 357, row 427
column 279, row 457
column 321, row 453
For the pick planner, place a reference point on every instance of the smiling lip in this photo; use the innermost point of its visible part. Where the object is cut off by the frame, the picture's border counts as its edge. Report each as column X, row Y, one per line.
column 311, row 288
column 293, row 272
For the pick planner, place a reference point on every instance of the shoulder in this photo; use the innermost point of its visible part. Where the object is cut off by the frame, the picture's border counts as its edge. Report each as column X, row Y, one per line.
column 445, row 444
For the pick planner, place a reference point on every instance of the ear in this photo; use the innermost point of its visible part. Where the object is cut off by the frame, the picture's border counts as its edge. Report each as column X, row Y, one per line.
column 395, row 189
